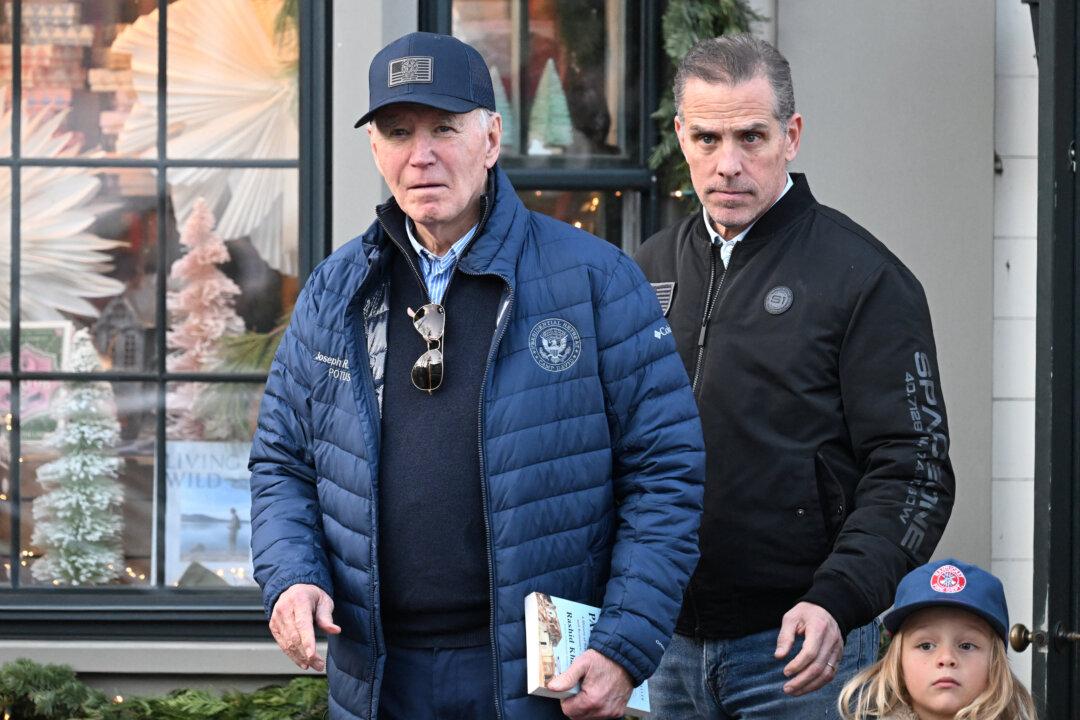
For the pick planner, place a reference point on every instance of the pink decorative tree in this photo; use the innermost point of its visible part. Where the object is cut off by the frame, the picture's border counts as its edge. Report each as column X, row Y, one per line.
column 202, row 312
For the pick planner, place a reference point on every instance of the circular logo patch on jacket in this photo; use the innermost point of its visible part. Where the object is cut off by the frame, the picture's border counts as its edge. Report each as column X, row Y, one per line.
column 779, row 299
column 948, row 579
column 555, row 344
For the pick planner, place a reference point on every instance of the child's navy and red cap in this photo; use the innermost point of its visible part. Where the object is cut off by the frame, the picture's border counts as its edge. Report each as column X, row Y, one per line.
column 951, row 583
column 439, row 71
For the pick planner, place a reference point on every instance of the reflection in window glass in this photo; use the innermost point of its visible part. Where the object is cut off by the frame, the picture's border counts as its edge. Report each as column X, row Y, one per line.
column 229, row 295
column 5, row 480
column 87, row 478
column 562, row 87
column 596, row 212
column 73, row 72
column 208, row 503
column 89, row 260
column 232, row 78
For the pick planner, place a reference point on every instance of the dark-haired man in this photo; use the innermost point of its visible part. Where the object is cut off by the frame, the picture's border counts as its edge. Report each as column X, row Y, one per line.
column 812, row 360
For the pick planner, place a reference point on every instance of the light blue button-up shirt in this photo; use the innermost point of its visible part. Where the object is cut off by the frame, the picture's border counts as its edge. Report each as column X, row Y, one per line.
column 438, row 270
column 726, row 246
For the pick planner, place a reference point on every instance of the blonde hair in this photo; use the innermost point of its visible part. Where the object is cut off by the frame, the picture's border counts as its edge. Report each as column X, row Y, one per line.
column 879, row 690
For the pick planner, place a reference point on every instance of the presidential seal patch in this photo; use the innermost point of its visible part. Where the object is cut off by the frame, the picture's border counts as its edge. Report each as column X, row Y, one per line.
column 948, row 579
column 555, row 344
column 778, row 300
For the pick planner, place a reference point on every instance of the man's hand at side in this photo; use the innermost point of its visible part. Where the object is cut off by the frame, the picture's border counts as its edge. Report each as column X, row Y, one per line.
column 291, row 623
column 822, row 648
column 605, row 687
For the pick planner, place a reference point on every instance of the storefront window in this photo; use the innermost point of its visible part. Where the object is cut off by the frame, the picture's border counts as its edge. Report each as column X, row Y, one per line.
column 574, row 82
column 596, row 212
column 565, row 75
column 150, row 230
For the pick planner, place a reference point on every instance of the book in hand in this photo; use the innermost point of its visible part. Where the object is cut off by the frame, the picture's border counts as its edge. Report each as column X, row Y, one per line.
column 556, row 632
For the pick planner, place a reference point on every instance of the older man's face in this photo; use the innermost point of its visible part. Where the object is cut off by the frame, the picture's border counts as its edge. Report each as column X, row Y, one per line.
column 435, row 163
column 736, row 149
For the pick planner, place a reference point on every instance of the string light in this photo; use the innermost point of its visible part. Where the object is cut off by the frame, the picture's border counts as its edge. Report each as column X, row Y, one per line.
column 577, row 224
column 118, row 699
column 677, row 193
column 618, row 193
column 3, row 497
column 538, row 193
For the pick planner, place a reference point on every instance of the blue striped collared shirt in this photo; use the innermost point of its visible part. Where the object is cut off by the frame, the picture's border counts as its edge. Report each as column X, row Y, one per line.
column 438, row 270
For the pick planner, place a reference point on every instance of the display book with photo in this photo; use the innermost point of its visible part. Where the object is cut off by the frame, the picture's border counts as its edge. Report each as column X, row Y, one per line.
column 556, row 632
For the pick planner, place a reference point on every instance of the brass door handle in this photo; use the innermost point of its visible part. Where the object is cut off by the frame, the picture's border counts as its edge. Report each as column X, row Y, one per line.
column 1020, row 637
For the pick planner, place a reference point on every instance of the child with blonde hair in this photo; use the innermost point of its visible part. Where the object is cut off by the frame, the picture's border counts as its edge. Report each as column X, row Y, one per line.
column 946, row 660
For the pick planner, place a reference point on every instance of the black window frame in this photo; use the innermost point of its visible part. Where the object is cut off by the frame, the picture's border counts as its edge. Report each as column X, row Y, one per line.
column 158, row 611
column 435, row 16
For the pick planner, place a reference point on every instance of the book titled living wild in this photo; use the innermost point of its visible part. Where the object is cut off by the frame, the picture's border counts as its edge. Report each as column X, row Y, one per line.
column 556, row 632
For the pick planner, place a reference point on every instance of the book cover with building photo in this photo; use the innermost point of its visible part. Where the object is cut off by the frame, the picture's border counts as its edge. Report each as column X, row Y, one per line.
column 556, row 632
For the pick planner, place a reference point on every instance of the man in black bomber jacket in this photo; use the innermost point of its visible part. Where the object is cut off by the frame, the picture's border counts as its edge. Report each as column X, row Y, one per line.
column 811, row 353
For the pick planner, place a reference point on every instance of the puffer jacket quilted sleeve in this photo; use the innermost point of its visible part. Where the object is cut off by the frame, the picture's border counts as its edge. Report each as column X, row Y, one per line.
column 658, row 471
column 288, row 540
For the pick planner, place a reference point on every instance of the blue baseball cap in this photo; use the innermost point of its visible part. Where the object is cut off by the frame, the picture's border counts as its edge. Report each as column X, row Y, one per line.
column 429, row 69
column 951, row 583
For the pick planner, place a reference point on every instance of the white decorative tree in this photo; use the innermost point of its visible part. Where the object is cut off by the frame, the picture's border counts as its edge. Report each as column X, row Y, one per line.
column 503, row 107
column 549, row 120
column 203, row 311
column 77, row 522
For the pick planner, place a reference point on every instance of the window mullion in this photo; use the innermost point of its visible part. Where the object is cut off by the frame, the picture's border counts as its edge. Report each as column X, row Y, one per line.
column 15, row 471
column 157, row 536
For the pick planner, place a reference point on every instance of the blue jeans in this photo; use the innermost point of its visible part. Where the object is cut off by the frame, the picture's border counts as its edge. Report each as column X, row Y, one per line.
column 739, row 678
column 438, row 684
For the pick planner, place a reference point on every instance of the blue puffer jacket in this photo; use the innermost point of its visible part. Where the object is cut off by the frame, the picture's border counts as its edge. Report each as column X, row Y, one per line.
column 592, row 468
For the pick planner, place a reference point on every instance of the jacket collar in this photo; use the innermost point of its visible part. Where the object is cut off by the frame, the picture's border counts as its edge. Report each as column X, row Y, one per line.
column 793, row 204
column 495, row 246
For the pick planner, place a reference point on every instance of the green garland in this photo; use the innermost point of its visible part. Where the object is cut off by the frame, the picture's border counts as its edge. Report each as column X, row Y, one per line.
column 29, row 691
column 685, row 22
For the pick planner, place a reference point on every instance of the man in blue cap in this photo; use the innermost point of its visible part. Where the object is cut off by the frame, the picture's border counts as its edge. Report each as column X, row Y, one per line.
column 472, row 402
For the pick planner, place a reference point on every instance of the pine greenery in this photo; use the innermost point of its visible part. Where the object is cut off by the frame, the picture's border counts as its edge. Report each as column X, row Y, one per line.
column 29, row 691
column 685, row 22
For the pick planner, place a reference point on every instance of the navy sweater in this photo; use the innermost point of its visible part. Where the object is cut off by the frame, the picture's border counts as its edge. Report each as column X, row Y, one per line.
column 433, row 548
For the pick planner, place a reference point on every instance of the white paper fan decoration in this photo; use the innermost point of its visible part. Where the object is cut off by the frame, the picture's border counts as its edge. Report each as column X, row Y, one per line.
column 63, row 263
column 230, row 96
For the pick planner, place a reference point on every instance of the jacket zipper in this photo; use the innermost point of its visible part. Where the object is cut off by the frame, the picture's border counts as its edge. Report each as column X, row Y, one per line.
column 373, row 403
column 485, row 211
column 711, row 299
column 499, row 332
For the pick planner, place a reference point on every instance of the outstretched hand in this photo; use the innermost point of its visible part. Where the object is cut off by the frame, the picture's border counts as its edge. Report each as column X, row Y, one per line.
column 823, row 646
column 292, row 626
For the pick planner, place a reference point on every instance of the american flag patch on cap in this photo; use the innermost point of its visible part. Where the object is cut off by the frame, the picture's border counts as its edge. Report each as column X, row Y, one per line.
column 413, row 69
column 665, row 293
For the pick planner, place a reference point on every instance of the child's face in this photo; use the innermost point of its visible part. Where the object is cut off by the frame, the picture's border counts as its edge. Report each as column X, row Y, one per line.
column 945, row 659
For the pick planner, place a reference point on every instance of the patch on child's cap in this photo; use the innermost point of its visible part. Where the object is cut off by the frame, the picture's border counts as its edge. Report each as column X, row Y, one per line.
column 948, row 579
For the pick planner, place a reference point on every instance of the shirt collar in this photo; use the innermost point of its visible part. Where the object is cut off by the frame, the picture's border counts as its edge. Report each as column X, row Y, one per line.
column 450, row 257
column 715, row 236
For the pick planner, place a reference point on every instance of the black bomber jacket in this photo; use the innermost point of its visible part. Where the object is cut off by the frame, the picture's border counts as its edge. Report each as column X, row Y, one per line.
column 813, row 364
